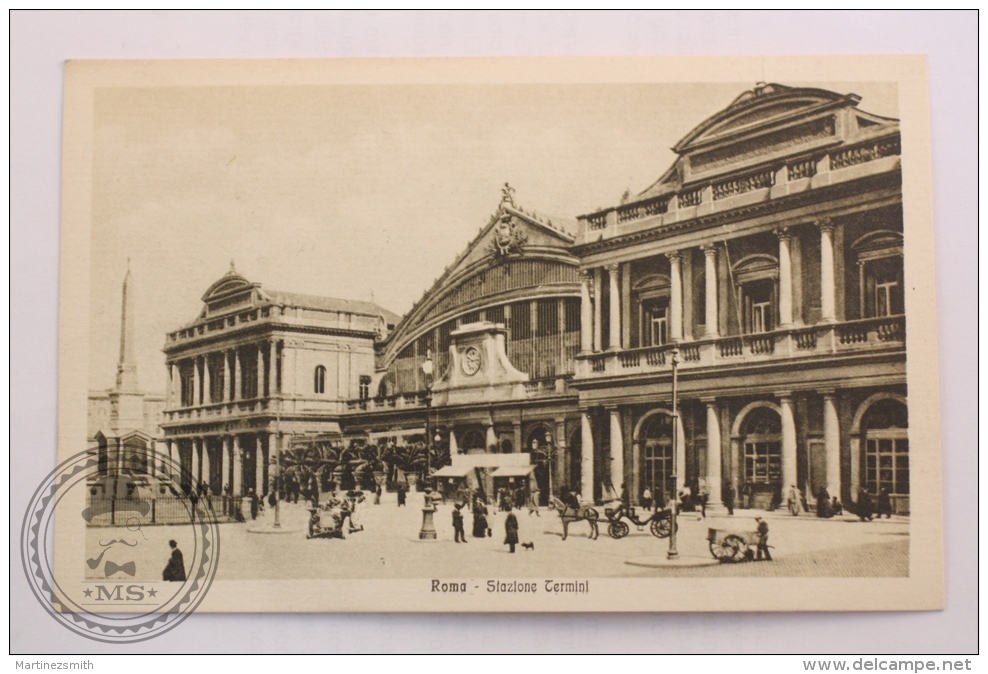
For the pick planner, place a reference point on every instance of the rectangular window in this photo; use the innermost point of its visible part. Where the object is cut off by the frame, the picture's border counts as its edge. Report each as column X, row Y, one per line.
column 887, row 465
column 521, row 321
column 365, row 383
column 548, row 317
column 572, row 314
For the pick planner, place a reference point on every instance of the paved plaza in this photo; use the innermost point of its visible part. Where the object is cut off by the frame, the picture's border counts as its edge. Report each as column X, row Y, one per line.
column 389, row 547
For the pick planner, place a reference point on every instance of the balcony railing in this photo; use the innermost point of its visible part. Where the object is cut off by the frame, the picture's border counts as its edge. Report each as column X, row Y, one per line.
column 816, row 340
column 252, row 406
column 759, row 179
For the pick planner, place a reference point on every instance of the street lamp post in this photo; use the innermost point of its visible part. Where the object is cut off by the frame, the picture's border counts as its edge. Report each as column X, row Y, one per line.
column 673, row 552
column 428, row 529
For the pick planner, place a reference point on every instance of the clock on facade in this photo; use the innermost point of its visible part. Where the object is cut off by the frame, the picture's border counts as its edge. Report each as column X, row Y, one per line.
column 471, row 361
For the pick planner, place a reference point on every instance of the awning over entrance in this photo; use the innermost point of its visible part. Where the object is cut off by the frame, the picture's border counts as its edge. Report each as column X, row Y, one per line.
column 452, row 471
column 513, row 471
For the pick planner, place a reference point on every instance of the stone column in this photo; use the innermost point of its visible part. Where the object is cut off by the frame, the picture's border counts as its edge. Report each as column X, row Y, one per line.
column 711, row 314
column 196, row 465
column 175, row 386
column 586, row 313
column 196, row 383
column 260, row 370
column 272, row 367
column 259, row 467
column 617, row 451
column 562, row 476
column 680, row 454
column 206, row 472
column 586, row 458
column 827, row 283
column 516, row 437
column 207, row 392
column 714, row 481
column 237, row 383
column 855, row 468
column 785, row 280
column 788, row 443
column 626, row 305
column 831, row 441
column 238, row 470
column 614, row 329
column 274, row 459
column 226, row 377
column 225, row 464
column 598, row 319
column 675, row 297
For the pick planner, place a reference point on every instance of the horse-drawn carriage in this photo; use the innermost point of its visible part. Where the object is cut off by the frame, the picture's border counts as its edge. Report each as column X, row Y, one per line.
column 328, row 520
column 659, row 522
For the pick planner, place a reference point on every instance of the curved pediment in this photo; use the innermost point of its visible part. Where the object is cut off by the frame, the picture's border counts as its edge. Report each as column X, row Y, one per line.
column 230, row 290
column 765, row 105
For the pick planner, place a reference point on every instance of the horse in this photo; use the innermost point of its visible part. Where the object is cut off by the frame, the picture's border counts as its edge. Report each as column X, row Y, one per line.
column 568, row 514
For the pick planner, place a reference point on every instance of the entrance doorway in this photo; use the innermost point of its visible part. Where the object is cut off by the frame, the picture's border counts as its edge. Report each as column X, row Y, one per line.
column 761, row 479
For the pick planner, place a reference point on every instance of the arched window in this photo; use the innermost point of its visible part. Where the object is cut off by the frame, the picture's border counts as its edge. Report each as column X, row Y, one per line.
column 320, row 379
column 657, row 456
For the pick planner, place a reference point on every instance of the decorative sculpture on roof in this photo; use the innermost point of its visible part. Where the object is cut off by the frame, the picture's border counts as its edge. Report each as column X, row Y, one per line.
column 507, row 193
column 508, row 238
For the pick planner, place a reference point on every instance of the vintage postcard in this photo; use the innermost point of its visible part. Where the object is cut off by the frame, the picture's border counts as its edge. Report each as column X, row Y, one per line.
column 494, row 335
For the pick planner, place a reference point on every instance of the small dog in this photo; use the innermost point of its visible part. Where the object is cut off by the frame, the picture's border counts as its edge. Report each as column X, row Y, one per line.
column 528, row 546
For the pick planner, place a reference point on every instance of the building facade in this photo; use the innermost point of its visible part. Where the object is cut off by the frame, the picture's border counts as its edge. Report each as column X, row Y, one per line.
column 256, row 367
column 770, row 256
column 766, row 262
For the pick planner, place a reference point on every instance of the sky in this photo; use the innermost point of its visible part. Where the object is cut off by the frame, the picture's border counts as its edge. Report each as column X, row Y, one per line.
column 357, row 192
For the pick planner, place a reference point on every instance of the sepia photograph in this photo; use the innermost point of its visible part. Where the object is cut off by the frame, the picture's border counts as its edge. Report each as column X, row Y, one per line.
column 527, row 335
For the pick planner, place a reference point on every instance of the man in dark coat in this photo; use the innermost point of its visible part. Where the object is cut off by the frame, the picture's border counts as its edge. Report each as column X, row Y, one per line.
column 175, row 569
column 762, row 540
column 729, row 497
column 401, row 495
column 480, row 527
column 823, row 504
column 511, row 531
column 458, row 533
column 865, row 509
column 255, row 504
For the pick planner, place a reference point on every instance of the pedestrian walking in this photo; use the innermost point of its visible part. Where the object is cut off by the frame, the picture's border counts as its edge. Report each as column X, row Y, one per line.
column 175, row 569
column 647, row 498
column 533, row 503
column 193, row 501
column 729, row 495
column 884, row 504
column 401, row 495
column 792, row 501
column 377, row 495
column 458, row 534
column 703, row 497
column 255, row 504
column 762, row 541
column 866, row 510
column 480, row 527
column 511, row 531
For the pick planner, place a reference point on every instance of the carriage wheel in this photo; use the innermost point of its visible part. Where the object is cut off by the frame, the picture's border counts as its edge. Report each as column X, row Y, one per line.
column 661, row 528
column 729, row 549
column 618, row 529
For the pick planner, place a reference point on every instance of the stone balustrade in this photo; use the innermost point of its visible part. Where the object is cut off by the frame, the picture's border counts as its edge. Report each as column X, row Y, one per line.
column 829, row 338
column 725, row 190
